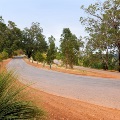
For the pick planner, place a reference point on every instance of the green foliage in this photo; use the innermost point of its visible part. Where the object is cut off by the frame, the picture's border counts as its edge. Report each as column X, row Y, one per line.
column 93, row 61
column 39, row 57
column 51, row 53
column 59, row 56
column 103, row 25
column 18, row 52
column 3, row 55
column 10, row 37
column 70, row 45
column 41, row 44
column 33, row 40
column 30, row 40
column 12, row 107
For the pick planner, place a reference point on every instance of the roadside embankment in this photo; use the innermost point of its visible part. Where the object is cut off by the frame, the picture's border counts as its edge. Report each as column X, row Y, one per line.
column 78, row 71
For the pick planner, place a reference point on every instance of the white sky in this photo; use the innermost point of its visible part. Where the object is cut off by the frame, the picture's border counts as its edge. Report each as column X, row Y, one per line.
column 53, row 15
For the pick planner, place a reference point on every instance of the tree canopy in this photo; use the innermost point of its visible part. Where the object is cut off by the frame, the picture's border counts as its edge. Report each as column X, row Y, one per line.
column 101, row 49
column 33, row 40
column 51, row 52
column 70, row 47
column 103, row 26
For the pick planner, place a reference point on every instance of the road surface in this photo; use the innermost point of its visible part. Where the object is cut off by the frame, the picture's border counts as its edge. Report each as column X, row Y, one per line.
column 99, row 91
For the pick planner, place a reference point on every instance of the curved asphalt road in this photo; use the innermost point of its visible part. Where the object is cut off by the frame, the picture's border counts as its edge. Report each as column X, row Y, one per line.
column 98, row 91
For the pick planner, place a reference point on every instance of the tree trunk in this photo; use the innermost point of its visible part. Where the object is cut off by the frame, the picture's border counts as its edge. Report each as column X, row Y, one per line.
column 118, row 56
column 43, row 63
column 66, row 60
column 66, row 65
column 0, row 68
column 107, row 59
column 28, row 54
column 105, row 65
column 50, row 65
column 71, row 65
column 105, row 62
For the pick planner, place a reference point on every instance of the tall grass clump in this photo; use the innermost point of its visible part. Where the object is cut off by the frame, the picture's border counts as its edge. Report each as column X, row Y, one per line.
column 12, row 107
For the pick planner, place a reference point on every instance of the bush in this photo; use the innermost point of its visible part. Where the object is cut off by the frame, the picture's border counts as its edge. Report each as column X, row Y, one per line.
column 3, row 55
column 11, row 105
column 18, row 52
column 39, row 57
column 1, row 58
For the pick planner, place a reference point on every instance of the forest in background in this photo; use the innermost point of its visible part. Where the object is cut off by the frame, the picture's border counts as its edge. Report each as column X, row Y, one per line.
column 100, row 50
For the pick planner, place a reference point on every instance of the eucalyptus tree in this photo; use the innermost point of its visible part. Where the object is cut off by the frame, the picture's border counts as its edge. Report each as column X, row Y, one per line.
column 33, row 40
column 41, row 44
column 51, row 52
column 10, row 37
column 14, row 37
column 3, row 28
column 103, row 26
column 70, row 46
column 112, row 20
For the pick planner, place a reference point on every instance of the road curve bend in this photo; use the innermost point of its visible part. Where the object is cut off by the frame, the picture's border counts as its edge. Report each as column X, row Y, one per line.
column 99, row 91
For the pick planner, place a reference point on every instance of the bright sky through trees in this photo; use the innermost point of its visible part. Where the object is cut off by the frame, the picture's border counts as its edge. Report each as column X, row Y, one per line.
column 53, row 15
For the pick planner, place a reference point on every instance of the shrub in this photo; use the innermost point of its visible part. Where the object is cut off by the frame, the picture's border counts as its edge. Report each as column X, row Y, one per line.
column 11, row 106
column 3, row 55
column 39, row 57
column 18, row 52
